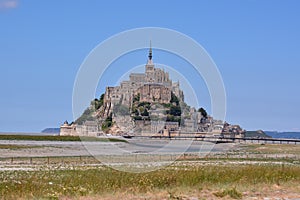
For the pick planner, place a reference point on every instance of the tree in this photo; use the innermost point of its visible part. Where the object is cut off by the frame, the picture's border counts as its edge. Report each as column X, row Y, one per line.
column 145, row 113
column 96, row 104
column 136, row 98
column 174, row 99
column 175, row 110
column 101, row 100
column 203, row 112
column 107, row 123
column 135, row 111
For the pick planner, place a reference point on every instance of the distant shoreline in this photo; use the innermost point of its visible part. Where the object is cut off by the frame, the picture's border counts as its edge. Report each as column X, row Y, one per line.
column 287, row 135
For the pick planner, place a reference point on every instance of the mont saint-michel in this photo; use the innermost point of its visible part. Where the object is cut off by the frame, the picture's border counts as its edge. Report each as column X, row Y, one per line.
column 149, row 103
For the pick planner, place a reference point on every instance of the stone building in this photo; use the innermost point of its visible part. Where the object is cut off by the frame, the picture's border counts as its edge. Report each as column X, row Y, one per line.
column 88, row 128
column 154, row 93
column 153, row 85
column 68, row 129
column 234, row 131
column 160, row 126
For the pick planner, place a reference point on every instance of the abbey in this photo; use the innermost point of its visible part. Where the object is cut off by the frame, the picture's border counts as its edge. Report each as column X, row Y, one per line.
column 154, row 85
column 148, row 103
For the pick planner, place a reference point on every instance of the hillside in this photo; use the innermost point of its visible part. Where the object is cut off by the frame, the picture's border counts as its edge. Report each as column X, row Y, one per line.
column 258, row 133
column 173, row 111
column 51, row 130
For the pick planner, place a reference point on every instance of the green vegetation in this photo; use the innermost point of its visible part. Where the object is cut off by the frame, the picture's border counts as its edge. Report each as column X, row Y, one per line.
column 137, row 118
column 56, row 138
column 172, row 118
column 203, row 112
column 87, row 115
column 174, row 110
column 107, row 123
column 233, row 193
column 171, row 111
column 258, row 133
column 174, row 99
column 145, row 113
column 97, row 103
column 145, row 105
column 136, row 98
column 74, row 183
column 140, row 110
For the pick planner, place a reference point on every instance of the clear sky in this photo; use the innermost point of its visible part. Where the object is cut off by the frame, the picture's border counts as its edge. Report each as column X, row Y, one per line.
column 255, row 44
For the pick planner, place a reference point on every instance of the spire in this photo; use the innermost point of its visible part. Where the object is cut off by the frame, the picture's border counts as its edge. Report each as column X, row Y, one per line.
column 150, row 51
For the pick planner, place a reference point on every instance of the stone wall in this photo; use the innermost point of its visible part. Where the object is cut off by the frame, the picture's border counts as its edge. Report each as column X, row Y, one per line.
column 154, row 93
column 68, row 130
column 89, row 128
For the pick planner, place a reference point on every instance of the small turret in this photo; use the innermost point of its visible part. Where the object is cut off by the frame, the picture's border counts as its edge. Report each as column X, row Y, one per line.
column 150, row 52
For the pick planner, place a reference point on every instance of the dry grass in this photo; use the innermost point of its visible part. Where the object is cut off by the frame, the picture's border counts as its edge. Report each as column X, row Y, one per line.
column 272, row 148
column 58, row 138
column 178, row 182
column 15, row 146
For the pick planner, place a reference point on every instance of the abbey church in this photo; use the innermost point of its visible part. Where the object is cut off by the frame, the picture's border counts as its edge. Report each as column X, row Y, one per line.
column 154, row 85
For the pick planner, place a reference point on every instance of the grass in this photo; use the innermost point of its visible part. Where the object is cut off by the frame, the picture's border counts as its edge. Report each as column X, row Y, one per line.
column 75, row 183
column 58, row 138
column 272, row 148
column 52, row 160
column 233, row 193
column 15, row 147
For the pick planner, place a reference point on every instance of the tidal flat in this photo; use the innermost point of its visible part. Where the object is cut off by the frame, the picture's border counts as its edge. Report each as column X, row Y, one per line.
column 57, row 170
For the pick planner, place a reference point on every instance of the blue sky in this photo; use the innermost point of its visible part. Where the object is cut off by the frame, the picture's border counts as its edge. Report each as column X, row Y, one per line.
column 255, row 45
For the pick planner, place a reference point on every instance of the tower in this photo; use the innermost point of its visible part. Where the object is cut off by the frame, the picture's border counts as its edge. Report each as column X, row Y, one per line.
column 150, row 52
column 149, row 68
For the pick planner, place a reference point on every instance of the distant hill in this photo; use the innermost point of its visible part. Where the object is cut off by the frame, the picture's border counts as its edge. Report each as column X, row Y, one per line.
column 51, row 130
column 258, row 133
column 288, row 135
